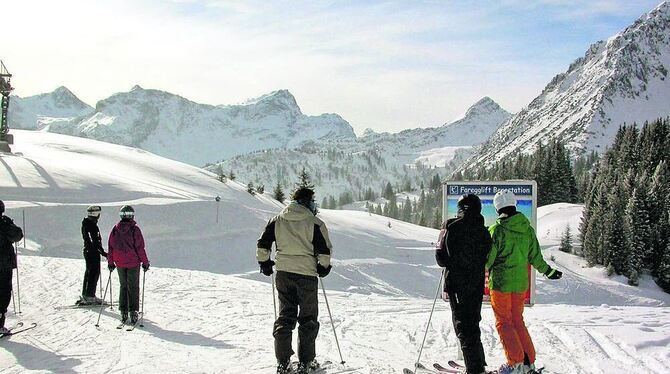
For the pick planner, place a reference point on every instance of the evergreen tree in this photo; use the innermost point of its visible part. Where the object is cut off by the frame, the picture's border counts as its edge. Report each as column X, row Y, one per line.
column 659, row 199
column 232, row 175
column 332, row 204
column 437, row 219
column 260, row 189
column 220, row 175
column 387, row 192
column 407, row 210
column 614, row 240
column 422, row 220
column 663, row 270
column 250, row 188
column 324, row 203
column 566, row 240
column 278, row 193
column 304, row 180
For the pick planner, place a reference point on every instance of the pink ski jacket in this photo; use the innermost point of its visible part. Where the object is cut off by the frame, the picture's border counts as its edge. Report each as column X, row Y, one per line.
column 126, row 246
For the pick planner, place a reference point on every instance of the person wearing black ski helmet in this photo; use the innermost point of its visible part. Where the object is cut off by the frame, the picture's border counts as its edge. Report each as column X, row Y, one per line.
column 126, row 253
column 92, row 252
column 462, row 249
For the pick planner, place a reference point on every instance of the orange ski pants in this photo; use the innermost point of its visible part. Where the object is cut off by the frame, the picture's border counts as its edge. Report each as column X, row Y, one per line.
column 508, row 309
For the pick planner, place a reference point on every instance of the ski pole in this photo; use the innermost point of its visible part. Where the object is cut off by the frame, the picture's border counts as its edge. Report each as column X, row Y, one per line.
column 14, row 301
column 111, row 299
column 100, row 279
column 24, row 228
column 331, row 320
column 144, row 278
column 18, row 284
column 437, row 293
column 109, row 280
column 274, row 302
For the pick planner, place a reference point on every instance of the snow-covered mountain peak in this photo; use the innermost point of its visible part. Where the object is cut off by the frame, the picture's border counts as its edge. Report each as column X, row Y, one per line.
column 485, row 106
column 36, row 112
column 621, row 80
column 368, row 132
column 280, row 101
column 169, row 125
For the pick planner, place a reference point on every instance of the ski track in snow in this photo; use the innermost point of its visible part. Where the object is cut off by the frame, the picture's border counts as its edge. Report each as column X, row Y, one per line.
column 209, row 311
column 204, row 322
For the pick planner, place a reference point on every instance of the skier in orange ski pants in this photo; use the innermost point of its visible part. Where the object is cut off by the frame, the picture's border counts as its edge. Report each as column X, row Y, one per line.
column 514, row 246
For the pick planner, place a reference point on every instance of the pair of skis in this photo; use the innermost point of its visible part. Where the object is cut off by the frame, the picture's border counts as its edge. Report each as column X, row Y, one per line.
column 420, row 368
column 13, row 330
column 131, row 326
column 454, row 367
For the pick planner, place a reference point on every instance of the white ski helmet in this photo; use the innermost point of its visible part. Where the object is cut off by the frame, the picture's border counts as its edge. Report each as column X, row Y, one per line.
column 94, row 211
column 504, row 198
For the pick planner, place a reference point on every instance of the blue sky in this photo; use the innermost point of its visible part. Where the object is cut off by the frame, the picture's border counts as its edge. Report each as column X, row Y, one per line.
column 388, row 65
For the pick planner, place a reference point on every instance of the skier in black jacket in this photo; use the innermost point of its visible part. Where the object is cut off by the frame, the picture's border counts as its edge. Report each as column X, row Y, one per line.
column 462, row 250
column 92, row 251
column 9, row 234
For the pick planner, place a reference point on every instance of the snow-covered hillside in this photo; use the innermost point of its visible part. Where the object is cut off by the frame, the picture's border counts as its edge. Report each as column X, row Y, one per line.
column 169, row 125
column 621, row 80
column 54, row 177
column 380, row 290
column 39, row 111
column 375, row 158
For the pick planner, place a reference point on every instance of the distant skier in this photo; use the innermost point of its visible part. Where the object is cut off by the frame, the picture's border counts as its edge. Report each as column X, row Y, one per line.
column 303, row 252
column 92, row 251
column 462, row 249
column 515, row 245
column 9, row 234
column 126, row 252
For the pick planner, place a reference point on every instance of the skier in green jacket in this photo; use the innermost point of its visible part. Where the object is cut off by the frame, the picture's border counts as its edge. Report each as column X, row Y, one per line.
column 515, row 245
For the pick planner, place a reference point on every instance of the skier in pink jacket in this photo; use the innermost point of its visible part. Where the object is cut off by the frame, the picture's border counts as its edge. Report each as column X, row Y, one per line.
column 126, row 252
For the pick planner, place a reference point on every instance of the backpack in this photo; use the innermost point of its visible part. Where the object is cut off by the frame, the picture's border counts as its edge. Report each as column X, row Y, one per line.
column 11, row 232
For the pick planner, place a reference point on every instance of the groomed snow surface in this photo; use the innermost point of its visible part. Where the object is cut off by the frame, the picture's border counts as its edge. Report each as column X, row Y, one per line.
column 208, row 310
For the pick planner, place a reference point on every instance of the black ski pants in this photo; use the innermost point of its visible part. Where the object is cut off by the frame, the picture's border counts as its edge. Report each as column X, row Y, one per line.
column 298, row 302
column 92, row 273
column 129, row 291
column 465, row 298
column 5, row 289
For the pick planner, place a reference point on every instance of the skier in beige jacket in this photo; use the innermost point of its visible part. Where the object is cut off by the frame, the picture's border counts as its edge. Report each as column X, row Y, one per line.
column 303, row 253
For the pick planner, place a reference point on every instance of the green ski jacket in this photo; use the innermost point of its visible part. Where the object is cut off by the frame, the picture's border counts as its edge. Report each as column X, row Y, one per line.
column 514, row 246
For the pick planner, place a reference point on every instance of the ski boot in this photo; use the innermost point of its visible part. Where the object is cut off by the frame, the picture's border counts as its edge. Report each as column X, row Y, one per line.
column 529, row 369
column 134, row 316
column 124, row 316
column 514, row 369
column 4, row 330
column 284, row 368
column 307, row 367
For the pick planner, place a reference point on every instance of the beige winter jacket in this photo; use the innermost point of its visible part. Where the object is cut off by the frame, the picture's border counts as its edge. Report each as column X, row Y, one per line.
column 302, row 241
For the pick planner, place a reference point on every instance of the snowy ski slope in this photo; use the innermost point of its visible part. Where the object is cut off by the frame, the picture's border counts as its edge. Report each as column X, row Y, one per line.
column 204, row 314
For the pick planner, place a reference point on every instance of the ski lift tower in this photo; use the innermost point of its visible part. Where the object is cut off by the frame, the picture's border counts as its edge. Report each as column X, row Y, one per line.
column 5, row 89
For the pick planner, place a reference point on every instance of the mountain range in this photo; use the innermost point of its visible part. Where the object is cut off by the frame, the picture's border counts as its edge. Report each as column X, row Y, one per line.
column 621, row 80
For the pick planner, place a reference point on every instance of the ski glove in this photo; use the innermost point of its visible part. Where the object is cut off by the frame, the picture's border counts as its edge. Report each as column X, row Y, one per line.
column 145, row 267
column 323, row 271
column 111, row 267
column 266, row 267
column 102, row 253
column 553, row 274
